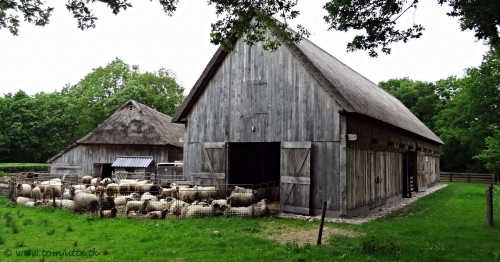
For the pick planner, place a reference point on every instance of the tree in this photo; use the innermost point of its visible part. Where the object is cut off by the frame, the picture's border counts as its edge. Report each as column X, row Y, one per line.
column 253, row 19
column 470, row 123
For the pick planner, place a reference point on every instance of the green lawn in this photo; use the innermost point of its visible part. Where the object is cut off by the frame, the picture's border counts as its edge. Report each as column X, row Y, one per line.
column 446, row 226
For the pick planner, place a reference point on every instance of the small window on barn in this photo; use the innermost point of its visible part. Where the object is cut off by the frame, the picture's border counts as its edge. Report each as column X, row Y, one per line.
column 130, row 107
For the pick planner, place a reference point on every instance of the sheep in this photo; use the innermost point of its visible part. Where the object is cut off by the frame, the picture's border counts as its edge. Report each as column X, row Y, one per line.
column 149, row 196
column 95, row 181
column 177, row 206
column 169, row 192
column 157, row 214
column 33, row 203
column 36, row 192
column 100, row 189
column 238, row 189
column 143, row 188
column 24, row 190
column 113, row 188
column 86, row 180
column 69, row 193
column 122, row 200
column 79, row 187
column 108, row 213
column 22, row 200
column 138, row 206
column 85, row 202
column 203, row 211
column 51, row 190
column 65, row 203
column 158, row 206
column 241, row 199
column 188, row 194
column 207, row 192
column 256, row 210
column 220, row 202
column 106, row 181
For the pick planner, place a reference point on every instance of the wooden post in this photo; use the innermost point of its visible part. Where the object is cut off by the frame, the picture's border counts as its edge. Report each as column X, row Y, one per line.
column 320, row 234
column 451, row 179
column 489, row 206
column 468, row 177
column 53, row 197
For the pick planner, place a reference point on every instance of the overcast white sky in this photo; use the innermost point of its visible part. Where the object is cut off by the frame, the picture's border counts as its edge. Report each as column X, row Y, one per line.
column 47, row 58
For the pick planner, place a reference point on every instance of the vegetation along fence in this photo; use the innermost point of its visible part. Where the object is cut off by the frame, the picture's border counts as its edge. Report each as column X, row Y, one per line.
column 467, row 177
column 142, row 199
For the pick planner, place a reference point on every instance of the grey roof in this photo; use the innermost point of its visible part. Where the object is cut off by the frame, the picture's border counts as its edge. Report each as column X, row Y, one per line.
column 352, row 91
column 143, row 126
column 135, row 161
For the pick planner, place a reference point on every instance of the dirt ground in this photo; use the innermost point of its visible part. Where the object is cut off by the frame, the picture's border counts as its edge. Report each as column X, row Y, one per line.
column 311, row 236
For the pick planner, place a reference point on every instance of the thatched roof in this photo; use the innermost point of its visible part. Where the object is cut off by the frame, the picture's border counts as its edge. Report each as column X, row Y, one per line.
column 133, row 124
column 352, row 91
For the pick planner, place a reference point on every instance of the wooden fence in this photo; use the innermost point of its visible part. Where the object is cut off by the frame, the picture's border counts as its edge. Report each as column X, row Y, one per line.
column 467, row 177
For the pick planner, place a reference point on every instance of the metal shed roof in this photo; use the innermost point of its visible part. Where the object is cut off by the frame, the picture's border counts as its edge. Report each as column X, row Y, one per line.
column 132, row 162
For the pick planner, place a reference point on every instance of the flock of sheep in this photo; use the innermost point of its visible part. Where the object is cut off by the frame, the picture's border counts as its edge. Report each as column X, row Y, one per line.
column 141, row 198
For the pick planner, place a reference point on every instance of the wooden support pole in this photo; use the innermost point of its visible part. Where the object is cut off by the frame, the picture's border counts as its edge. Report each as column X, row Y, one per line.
column 53, row 197
column 489, row 206
column 320, row 234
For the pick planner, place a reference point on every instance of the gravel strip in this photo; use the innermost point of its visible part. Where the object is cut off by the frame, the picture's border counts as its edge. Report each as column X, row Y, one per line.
column 372, row 214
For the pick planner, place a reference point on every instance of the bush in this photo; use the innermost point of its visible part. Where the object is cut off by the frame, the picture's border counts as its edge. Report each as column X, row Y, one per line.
column 22, row 167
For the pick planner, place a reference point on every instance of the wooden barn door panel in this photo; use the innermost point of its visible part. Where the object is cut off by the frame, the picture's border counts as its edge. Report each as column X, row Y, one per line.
column 295, row 177
column 213, row 167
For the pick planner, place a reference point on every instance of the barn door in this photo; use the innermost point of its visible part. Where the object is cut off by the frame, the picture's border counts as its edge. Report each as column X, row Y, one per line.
column 295, row 177
column 213, row 168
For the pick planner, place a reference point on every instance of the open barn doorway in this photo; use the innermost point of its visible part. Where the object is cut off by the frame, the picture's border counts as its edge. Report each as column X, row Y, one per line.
column 254, row 163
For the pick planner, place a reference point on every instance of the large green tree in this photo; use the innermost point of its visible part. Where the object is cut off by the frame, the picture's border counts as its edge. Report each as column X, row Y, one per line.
column 34, row 128
column 252, row 19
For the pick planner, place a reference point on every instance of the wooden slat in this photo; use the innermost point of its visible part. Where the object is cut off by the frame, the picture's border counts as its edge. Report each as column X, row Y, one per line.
column 209, row 175
column 295, row 209
column 214, row 145
column 296, row 180
column 295, row 145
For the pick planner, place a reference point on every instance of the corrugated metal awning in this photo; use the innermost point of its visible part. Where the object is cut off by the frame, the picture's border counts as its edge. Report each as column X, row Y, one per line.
column 132, row 162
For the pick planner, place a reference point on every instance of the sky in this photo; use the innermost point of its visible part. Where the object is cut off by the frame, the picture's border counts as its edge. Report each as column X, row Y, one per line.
column 45, row 59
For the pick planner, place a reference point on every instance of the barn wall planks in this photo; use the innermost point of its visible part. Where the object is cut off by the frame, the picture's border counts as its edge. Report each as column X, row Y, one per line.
column 372, row 176
column 85, row 156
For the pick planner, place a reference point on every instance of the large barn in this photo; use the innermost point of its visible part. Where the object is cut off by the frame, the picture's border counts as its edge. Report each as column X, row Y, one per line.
column 133, row 130
column 301, row 117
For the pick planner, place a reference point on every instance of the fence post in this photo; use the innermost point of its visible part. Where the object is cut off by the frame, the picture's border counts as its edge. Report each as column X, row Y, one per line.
column 468, row 177
column 320, row 234
column 489, row 206
column 451, row 179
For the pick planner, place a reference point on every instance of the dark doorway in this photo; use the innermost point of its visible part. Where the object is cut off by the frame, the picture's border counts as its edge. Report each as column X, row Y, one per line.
column 106, row 170
column 409, row 173
column 254, row 163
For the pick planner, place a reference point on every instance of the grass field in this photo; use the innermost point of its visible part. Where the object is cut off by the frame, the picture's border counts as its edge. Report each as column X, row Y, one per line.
column 448, row 225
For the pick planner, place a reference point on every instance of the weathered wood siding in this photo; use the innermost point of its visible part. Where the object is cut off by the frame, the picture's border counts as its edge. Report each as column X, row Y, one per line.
column 260, row 96
column 80, row 159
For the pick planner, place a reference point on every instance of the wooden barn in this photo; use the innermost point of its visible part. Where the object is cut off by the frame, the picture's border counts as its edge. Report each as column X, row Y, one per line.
column 133, row 130
column 301, row 117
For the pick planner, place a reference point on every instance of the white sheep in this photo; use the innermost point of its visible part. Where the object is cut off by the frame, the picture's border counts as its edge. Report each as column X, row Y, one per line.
column 177, row 206
column 65, row 203
column 113, row 188
column 106, row 181
column 122, row 200
column 95, row 181
column 158, row 205
column 241, row 199
column 22, row 200
column 24, row 190
column 33, row 203
column 220, row 202
column 203, row 211
column 256, row 210
column 238, row 189
column 207, row 192
column 147, row 195
column 137, row 206
column 157, row 214
column 86, row 202
column 86, row 180
column 169, row 192
column 143, row 188
column 188, row 194
column 36, row 192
